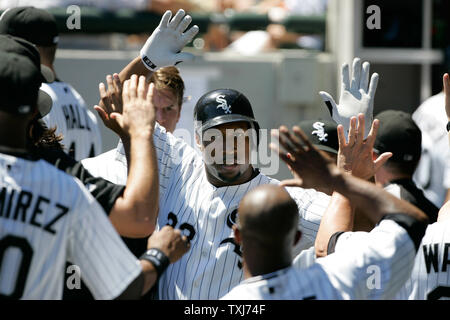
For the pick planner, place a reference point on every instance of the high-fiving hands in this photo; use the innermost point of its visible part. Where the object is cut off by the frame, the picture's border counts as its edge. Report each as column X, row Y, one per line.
column 138, row 115
column 356, row 97
column 311, row 169
column 111, row 102
column 355, row 154
column 129, row 110
column 163, row 47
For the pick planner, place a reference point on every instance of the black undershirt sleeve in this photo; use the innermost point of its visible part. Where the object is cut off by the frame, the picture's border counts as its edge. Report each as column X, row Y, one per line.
column 104, row 191
column 332, row 242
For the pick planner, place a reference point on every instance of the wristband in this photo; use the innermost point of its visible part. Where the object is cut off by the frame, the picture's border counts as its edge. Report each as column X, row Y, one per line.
column 158, row 259
column 148, row 63
column 448, row 126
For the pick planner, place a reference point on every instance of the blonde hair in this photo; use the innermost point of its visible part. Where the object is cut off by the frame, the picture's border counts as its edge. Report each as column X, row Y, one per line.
column 169, row 78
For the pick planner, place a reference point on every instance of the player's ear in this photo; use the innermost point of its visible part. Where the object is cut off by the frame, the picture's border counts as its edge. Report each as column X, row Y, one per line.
column 298, row 235
column 237, row 234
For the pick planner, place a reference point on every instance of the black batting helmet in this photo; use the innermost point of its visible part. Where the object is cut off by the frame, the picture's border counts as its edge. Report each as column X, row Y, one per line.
column 223, row 106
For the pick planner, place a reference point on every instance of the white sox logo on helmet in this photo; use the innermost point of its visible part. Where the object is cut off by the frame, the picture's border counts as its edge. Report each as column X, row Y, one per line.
column 223, row 103
column 320, row 131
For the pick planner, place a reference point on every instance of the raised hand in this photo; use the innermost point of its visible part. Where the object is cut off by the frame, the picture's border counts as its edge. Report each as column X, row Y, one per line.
column 356, row 97
column 138, row 114
column 163, row 47
column 311, row 169
column 111, row 101
column 355, row 156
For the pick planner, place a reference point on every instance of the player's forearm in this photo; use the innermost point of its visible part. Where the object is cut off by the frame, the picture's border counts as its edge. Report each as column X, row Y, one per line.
column 374, row 201
column 150, row 276
column 134, row 67
column 142, row 284
column 361, row 222
column 143, row 177
column 139, row 204
column 339, row 216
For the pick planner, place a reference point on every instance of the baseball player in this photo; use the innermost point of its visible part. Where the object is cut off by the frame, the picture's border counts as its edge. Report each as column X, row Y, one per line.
column 169, row 95
column 131, row 216
column 399, row 134
column 202, row 198
column 267, row 263
column 129, row 207
column 48, row 216
column 433, row 170
column 70, row 115
column 323, row 135
column 430, row 278
column 355, row 157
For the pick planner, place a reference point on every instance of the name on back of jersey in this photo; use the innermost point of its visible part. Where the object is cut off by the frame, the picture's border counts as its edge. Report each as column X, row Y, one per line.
column 26, row 207
column 76, row 117
column 431, row 257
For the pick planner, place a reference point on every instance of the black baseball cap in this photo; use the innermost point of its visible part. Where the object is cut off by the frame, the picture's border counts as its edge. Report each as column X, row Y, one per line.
column 322, row 134
column 21, row 46
column 10, row 44
column 20, row 80
column 222, row 106
column 399, row 134
column 35, row 25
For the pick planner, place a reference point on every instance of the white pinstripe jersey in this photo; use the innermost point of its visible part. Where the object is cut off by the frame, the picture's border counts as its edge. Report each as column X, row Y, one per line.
column 433, row 171
column 46, row 218
column 430, row 278
column 205, row 214
column 344, row 274
column 305, row 258
column 72, row 119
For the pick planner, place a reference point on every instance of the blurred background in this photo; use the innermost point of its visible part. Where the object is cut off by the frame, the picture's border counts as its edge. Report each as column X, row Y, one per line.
column 279, row 53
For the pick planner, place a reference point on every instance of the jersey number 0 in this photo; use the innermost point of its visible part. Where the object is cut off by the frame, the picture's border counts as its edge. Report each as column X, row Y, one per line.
column 27, row 253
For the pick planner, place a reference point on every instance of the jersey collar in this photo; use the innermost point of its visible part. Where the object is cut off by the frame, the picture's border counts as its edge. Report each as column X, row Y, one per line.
column 19, row 153
column 267, row 276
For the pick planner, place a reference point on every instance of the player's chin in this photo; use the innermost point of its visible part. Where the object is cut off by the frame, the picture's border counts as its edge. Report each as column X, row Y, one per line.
column 229, row 172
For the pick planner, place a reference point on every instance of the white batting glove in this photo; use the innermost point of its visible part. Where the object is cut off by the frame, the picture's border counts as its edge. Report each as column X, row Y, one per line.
column 356, row 97
column 163, row 47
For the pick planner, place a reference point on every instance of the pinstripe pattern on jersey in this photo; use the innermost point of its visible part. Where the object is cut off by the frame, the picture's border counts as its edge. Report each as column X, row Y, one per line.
column 73, row 120
column 343, row 274
column 433, row 272
column 212, row 266
column 83, row 235
column 105, row 166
